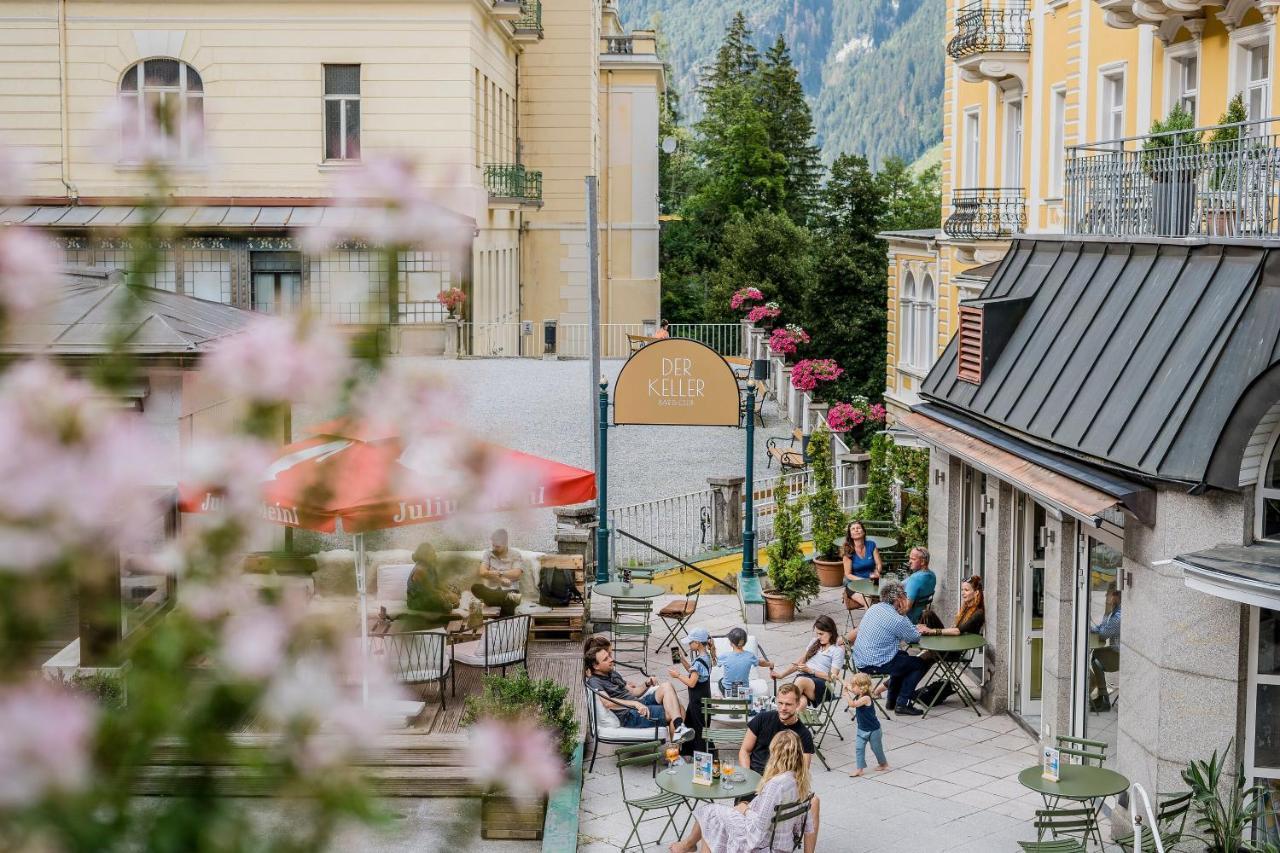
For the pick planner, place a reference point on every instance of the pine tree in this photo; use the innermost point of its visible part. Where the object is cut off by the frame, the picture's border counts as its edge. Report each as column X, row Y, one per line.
column 790, row 122
column 736, row 60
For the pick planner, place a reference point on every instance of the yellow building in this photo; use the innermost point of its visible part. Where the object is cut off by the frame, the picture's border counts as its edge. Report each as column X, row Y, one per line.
column 1033, row 86
column 505, row 105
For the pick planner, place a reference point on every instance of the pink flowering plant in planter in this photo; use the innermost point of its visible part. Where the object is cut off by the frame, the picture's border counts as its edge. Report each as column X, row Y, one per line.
column 786, row 340
column 808, row 372
column 761, row 313
column 743, row 296
column 452, row 300
column 856, row 418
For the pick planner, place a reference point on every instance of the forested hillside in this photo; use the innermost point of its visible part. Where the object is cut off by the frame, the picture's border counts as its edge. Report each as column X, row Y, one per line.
column 872, row 69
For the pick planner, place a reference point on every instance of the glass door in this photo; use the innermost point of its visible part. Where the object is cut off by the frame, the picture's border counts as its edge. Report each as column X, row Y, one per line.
column 1099, row 615
column 1028, row 605
column 974, row 545
column 276, row 292
column 1262, row 725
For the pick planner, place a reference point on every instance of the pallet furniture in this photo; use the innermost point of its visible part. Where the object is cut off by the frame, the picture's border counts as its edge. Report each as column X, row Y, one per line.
column 562, row 623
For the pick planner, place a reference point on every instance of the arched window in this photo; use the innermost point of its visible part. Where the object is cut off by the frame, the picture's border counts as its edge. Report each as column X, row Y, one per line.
column 1267, row 523
column 907, row 322
column 162, row 101
column 927, row 336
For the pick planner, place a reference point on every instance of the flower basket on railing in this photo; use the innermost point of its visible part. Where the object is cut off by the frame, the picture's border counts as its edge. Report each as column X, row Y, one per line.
column 743, row 296
column 786, row 340
column 452, row 300
column 1173, row 158
column 808, row 372
column 764, row 314
column 856, row 420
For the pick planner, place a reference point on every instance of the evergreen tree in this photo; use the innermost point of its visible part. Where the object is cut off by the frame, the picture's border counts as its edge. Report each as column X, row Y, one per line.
column 911, row 201
column 781, row 99
column 769, row 251
column 736, row 60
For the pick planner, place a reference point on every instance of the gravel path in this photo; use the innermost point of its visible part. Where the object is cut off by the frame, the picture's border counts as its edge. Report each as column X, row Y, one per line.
column 543, row 407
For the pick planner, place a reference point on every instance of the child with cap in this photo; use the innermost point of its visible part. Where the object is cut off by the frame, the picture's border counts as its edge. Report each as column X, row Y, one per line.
column 695, row 674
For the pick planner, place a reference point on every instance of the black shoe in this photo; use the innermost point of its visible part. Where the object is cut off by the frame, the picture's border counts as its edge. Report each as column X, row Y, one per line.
column 909, row 710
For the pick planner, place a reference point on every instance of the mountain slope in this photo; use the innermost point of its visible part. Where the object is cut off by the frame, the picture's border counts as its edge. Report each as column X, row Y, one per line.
column 872, row 69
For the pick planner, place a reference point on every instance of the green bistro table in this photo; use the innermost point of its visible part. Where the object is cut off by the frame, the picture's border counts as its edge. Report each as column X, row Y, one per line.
column 954, row 654
column 1081, row 782
column 617, row 589
column 681, row 784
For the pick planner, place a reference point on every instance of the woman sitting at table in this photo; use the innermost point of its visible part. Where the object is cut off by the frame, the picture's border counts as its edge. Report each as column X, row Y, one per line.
column 861, row 562
column 969, row 620
column 820, row 663
column 745, row 828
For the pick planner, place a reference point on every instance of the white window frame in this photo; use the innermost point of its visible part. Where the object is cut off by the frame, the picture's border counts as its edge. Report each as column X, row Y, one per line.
column 1261, row 492
column 1243, row 41
column 972, row 147
column 927, row 316
column 189, row 147
column 342, row 116
column 1252, row 771
column 1175, row 57
column 1057, row 140
column 1013, row 134
column 907, row 322
column 1108, row 111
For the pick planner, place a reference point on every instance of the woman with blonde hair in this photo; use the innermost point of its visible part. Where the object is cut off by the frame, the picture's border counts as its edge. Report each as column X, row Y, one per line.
column 745, row 828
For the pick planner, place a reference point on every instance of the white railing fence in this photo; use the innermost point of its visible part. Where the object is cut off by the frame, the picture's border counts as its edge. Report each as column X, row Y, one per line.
column 512, row 339
column 680, row 525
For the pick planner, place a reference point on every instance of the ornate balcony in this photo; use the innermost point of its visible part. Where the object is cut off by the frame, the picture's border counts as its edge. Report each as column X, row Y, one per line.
column 528, row 27
column 1171, row 15
column 507, row 10
column 992, row 40
column 1219, row 181
column 513, row 183
column 986, row 213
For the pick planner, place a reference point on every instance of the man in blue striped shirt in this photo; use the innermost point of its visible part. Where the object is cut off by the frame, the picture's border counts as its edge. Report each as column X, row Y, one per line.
column 876, row 648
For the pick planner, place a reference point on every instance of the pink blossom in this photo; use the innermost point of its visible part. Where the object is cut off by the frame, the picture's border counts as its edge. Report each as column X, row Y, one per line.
column 155, row 140
column 15, row 173
column 280, row 360
column 787, row 340
column 744, row 295
column 413, row 399
column 45, row 735
column 29, row 266
column 843, row 417
column 518, row 756
column 768, row 311
column 232, row 467
column 808, row 372
column 253, row 642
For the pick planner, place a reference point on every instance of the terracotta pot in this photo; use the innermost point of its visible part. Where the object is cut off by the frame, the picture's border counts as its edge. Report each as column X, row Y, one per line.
column 502, row 817
column 830, row 572
column 778, row 608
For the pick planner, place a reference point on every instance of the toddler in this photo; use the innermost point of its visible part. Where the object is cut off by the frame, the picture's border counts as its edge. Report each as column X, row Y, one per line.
column 858, row 694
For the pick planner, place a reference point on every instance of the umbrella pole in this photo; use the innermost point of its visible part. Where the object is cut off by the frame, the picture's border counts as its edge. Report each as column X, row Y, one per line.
column 358, row 541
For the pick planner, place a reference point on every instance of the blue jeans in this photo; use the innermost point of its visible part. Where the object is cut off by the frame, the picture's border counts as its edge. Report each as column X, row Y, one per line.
column 904, row 673
column 876, row 739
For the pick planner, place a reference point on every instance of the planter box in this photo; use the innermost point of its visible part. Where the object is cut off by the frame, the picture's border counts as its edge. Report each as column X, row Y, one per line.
column 1173, row 204
column 502, row 818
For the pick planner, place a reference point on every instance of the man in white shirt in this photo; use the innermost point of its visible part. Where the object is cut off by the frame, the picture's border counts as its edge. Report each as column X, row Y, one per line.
column 500, row 571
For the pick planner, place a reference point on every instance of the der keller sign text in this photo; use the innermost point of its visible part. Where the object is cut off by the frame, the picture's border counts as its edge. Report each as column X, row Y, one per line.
column 676, row 382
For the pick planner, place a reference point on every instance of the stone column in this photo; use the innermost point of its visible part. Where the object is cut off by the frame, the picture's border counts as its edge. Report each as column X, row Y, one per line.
column 452, row 330
column 998, row 585
column 783, row 394
column 726, row 511
column 744, row 345
column 1059, row 624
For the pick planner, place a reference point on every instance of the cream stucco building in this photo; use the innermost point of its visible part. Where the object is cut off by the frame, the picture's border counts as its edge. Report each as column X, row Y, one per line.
column 505, row 105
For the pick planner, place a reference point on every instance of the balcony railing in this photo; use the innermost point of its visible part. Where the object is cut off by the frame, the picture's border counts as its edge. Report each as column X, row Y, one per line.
column 1218, row 181
column 986, row 213
column 622, row 45
column 513, row 181
column 986, row 27
column 529, row 23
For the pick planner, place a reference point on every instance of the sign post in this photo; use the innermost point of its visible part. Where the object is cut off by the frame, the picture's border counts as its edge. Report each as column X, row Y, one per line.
column 749, row 519
column 602, row 488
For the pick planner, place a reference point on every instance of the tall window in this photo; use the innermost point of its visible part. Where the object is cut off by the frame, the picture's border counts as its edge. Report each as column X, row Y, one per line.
column 1184, row 74
column 1013, row 143
column 1057, row 140
column 926, row 329
column 163, row 100
column 907, row 321
column 1112, row 104
column 1257, row 80
column 972, row 146
column 342, row 112
column 1267, row 525
column 1262, row 723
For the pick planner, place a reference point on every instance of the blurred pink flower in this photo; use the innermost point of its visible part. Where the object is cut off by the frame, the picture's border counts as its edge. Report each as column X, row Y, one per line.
column 413, row 398
column 45, row 735
column 518, row 756
column 29, row 271
column 156, row 140
column 279, row 360
column 253, row 641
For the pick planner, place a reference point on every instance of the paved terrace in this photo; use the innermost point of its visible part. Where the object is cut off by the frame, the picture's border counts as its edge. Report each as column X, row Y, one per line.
column 952, row 784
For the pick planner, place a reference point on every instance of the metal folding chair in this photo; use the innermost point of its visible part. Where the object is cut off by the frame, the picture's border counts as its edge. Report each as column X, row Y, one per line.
column 1087, row 751
column 1171, row 820
column 725, row 722
column 676, row 615
column 821, row 720
column 420, row 657
column 631, row 630
column 1067, row 822
column 783, row 814
column 647, row 755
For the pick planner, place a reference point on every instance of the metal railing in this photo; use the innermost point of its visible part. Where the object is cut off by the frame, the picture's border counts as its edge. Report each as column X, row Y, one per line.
column 798, row 484
column 410, row 313
column 680, row 526
column 986, row 213
column 531, row 20
column 623, row 45
column 573, row 340
column 495, row 340
column 987, row 26
column 1215, row 181
column 512, row 180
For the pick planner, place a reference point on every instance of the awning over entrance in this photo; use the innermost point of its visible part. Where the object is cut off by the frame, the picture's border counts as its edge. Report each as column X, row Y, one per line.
column 1050, row 487
column 1249, row 574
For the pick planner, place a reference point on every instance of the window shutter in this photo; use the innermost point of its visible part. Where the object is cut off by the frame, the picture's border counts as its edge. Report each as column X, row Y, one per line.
column 969, row 345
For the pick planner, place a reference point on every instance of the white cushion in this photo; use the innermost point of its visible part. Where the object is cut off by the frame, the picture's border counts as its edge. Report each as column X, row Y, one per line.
column 472, row 654
column 621, row 733
column 605, row 718
column 415, row 675
column 393, row 581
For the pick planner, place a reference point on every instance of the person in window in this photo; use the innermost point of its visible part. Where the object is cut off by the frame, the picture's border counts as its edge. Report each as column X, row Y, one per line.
column 970, row 619
column 500, row 571
column 861, row 562
column 920, row 584
column 1106, row 657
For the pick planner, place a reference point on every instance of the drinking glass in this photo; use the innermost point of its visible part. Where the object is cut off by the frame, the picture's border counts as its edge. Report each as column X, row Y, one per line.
column 726, row 776
column 673, row 755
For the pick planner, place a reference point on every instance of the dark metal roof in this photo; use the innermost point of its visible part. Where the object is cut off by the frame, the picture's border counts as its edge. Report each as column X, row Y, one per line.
column 1130, row 354
column 983, row 272
column 1248, row 573
column 213, row 217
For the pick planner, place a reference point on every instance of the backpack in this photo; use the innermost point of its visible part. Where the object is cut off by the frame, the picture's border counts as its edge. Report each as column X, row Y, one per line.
column 556, row 587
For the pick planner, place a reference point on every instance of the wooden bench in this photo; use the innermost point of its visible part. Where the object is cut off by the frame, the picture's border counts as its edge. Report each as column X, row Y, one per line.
column 762, row 391
column 790, row 458
column 635, row 343
column 562, row 623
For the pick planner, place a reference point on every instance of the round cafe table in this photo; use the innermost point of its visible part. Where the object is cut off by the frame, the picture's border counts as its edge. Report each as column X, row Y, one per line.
column 681, row 784
column 954, row 653
column 1081, row 782
column 617, row 589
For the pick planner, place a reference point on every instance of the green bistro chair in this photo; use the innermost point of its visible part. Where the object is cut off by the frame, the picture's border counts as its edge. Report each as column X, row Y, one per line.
column 821, row 720
column 1089, row 752
column 784, row 814
column 1171, row 820
column 666, row 804
column 1065, row 822
column 631, row 630
column 725, row 723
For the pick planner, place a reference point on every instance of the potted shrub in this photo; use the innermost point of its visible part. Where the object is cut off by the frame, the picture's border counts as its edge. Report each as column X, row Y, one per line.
column 1171, row 157
column 857, row 420
column 452, row 300
column 1224, row 808
column 512, row 701
column 1227, row 154
column 791, row 581
column 826, row 519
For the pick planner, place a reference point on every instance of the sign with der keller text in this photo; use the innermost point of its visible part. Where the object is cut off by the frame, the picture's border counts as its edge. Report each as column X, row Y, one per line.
column 676, row 382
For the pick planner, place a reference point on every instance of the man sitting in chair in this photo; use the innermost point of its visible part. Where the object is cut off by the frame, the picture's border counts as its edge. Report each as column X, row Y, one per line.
column 638, row 704
column 920, row 584
column 500, row 571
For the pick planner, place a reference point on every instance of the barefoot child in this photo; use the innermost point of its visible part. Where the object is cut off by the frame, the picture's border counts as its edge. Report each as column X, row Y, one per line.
column 858, row 695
